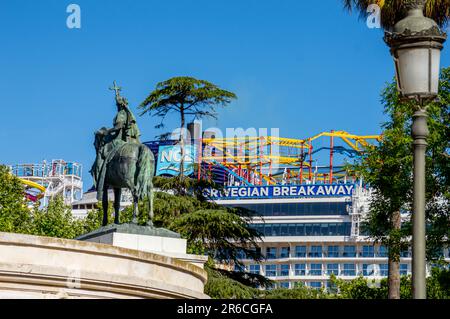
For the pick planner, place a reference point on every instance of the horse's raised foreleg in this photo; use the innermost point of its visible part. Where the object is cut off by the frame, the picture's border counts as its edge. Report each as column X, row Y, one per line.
column 117, row 198
column 105, row 205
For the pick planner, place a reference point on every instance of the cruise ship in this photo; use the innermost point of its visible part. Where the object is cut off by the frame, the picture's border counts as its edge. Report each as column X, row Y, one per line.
column 307, row 239
column 310, row 215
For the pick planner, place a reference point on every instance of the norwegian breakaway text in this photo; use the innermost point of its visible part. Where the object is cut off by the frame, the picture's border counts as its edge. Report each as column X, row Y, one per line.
column 332, row 190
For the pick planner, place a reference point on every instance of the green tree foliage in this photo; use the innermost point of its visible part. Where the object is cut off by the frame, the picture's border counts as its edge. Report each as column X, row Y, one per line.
column 56, row 220
column 245, row 278
column 221, row 233
column 14, row 213
column 168, row 207
column 392, row 10
column 359, row 288
column 94, row 218
column 438, row 287
column 185, row 186
column 187, row 96
column 221, row 286
column 298, row 292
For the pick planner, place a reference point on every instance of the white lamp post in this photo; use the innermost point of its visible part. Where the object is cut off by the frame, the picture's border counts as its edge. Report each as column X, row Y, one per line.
column 416, row 43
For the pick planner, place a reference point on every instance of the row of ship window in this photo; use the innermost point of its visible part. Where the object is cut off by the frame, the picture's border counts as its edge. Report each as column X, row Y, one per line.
column 304, row 229
column 297, row 209
column 331, row 251
column 318, row 269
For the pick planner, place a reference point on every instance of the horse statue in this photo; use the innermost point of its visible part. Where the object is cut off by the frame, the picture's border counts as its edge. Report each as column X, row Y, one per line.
column 122, row 161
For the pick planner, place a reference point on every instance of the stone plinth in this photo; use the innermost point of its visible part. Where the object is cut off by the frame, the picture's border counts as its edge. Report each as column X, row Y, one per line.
column 143, row 242
column 41, row 267
column 145, row 238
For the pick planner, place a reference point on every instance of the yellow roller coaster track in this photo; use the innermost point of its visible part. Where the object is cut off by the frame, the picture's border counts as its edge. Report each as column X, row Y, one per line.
column 352, row 140
column 231, row 152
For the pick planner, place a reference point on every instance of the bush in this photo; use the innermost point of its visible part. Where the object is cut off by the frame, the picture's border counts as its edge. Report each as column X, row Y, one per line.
column 438, row 287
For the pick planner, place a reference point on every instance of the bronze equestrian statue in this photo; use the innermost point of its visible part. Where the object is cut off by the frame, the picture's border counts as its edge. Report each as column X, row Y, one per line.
column 123, row 162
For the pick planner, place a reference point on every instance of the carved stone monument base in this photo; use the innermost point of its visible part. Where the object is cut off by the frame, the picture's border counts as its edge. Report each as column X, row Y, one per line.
column 144, row 238
column 130, row 229
column 42, row 267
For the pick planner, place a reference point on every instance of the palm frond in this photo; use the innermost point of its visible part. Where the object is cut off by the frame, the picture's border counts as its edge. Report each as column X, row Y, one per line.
column 393, row 11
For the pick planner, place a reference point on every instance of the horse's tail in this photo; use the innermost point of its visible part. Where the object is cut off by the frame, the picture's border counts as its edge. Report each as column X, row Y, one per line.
column 145, row 171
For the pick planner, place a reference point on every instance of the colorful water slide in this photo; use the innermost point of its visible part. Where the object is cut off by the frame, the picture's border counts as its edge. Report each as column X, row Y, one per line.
column 34, row 191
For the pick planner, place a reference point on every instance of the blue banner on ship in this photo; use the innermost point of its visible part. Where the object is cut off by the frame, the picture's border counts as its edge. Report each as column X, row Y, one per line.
column 169, row 160
column 322, row 190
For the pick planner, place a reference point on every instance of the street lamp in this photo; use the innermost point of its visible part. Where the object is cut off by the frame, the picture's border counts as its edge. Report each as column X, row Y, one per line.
column 416, row 43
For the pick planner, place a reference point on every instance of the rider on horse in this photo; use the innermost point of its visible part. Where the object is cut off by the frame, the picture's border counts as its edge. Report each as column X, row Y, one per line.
column 108, row 141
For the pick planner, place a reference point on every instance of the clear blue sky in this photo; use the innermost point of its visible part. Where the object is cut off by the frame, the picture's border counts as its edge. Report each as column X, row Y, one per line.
column 302, row 66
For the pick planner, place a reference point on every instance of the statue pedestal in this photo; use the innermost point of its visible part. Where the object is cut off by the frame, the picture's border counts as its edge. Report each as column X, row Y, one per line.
column 34, row 267
column 145, row 238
